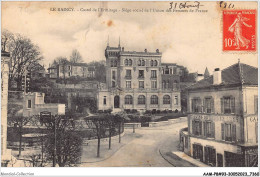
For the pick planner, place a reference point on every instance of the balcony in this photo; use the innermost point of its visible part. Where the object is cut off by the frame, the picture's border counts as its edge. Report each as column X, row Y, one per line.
column 140, row 77
column 128, row 77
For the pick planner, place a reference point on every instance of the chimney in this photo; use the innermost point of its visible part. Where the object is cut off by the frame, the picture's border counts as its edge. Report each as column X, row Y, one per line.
column 145, row 50
column 217, row 79
column 157, row 50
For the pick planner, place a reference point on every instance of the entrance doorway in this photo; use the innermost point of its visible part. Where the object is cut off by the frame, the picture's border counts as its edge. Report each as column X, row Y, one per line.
column 220, row 160
column 116, row 101
column 198, row 152
column 210, row 156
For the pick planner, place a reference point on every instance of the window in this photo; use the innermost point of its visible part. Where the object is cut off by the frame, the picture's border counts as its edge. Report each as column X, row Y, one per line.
column 176, row 101
column 154, row 84
column 29, row 104
column 141, row 99
column 69, row 67
column 164, row 84
column 128, row 84
column 154, row 99
column 128, row 74
column 141, row 84
column 155, row 63
column 166, row 71
column 105, row 100
column 113, row 84
column 114, row 75
column 228, row 105
column 196, row 105
column 151, row 62
column 256, row 104
column 139, row 62
column 197, row 127
column 209, row 129
column 143, row 63
column 228, row 132
column 128, row 99
column 166, row 99
column 141, row 74
column 153, row 74
column 69, row 73
column 113, row 63
column 174, row 70
column 126, row 62
column 208, row 105
column 130, row 62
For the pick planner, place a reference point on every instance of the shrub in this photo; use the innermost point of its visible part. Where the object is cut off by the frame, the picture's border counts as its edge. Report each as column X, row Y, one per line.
column 148, row 112
column 165, row 111
column 154, row 111
column 146, row 119
column 176, row 111
column 100, row 111
column 158, row 111
column 170, row 111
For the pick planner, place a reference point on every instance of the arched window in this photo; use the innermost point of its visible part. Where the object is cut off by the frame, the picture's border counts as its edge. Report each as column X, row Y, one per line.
column 128, row 99
column 155, row 63
column 115, row 63
column 151, row 62
column 126, row 62
column 141, row 99
column 112, row 63
column 139, row 62
column 154, row 99
column 130, row 62
column 143, row 63
column 166, row 99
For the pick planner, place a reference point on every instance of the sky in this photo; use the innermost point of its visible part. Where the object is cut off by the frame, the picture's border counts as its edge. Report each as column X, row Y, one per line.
column 192, row 39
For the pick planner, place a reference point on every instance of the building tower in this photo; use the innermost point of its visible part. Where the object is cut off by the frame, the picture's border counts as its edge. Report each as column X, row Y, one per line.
column 112, row 62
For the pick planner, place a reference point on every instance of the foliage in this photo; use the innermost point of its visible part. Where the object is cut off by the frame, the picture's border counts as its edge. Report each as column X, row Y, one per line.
column 75, row 56
column 24, row 55
column 100, row 68
column 68, row 147
column 82, row 103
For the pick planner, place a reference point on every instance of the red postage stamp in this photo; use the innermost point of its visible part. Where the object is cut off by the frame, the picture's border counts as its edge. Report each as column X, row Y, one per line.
column 239, row 30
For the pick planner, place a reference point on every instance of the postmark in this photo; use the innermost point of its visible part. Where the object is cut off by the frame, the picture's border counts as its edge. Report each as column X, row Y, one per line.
column 239, row 30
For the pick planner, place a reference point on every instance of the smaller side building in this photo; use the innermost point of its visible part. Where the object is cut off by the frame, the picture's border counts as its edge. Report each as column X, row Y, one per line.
column 223, row 120
column 34, row 104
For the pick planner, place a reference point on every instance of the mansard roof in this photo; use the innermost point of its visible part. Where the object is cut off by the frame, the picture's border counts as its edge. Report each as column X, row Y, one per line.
column 237, row 74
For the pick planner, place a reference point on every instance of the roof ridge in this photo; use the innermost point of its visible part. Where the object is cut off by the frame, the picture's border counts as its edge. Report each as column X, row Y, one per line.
column 241, row 75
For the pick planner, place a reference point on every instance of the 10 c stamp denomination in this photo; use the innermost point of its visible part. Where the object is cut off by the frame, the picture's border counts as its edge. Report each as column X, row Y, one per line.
column 239, row 30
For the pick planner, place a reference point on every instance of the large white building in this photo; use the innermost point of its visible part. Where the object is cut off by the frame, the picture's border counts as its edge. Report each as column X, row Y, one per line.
column 134, row 81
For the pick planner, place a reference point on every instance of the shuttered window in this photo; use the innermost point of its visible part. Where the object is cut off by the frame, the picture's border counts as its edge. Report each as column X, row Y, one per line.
column 228, row 105
column 197, row 127
column 208, row 105
column 209, row 129
column 228, row 132
column 196, row 105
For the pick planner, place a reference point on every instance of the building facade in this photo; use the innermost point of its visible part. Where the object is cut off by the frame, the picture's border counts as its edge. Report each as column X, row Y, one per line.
column 134, row 81
column 69, row 69
column 223, row 120
column 33, row 104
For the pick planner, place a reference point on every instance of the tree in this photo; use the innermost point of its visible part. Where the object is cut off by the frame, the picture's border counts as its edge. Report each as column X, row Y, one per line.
column 63, row 144
column 98, row 124
column 99, row 66
column 75, row 56
column 63, row 65
column 18, row 122
column 24, row 54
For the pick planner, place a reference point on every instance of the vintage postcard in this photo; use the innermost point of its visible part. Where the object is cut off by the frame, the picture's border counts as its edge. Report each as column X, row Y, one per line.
column 130, row 84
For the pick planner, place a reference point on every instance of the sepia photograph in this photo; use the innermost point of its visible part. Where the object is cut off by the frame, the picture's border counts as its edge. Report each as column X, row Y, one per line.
column 129, row 84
